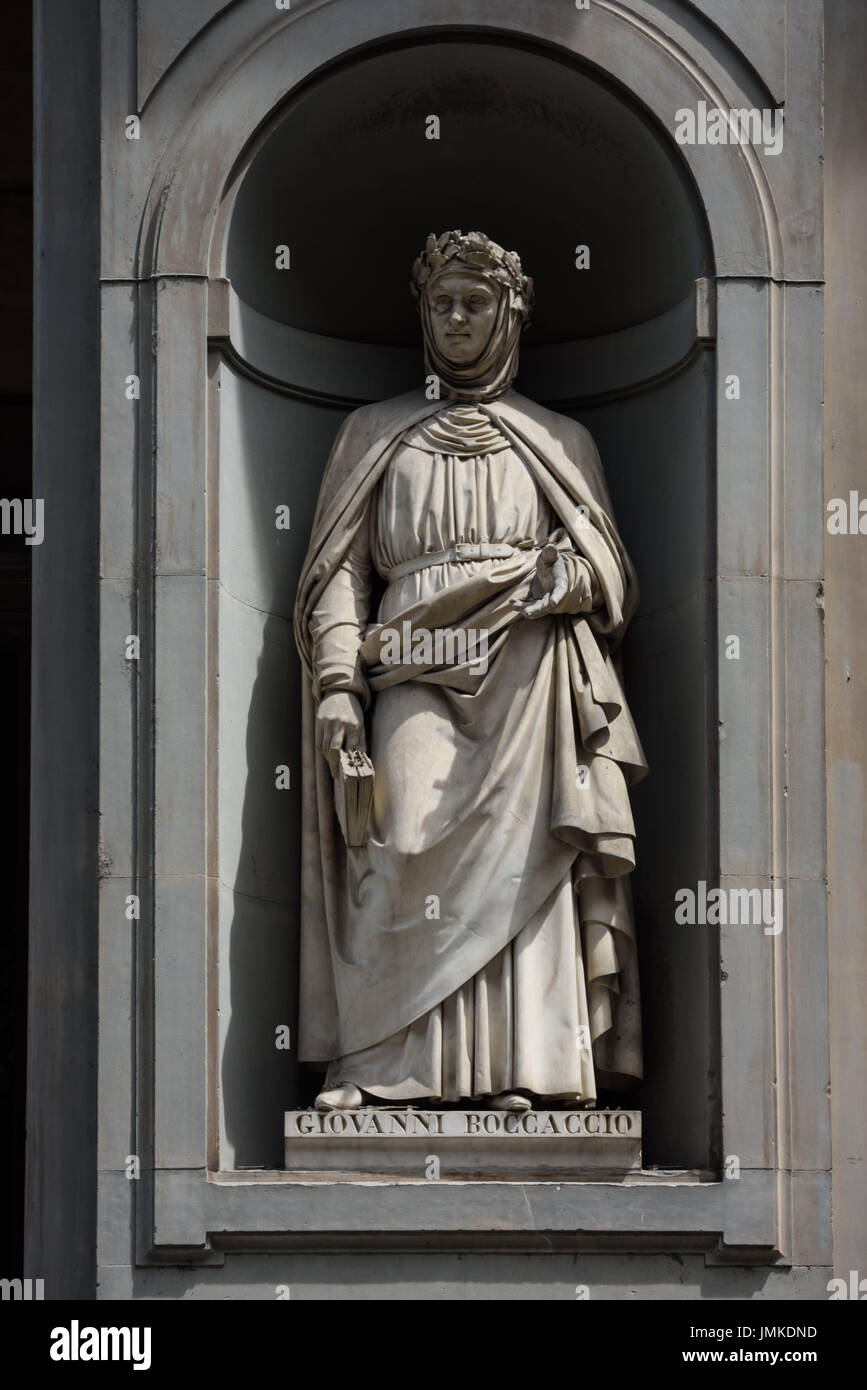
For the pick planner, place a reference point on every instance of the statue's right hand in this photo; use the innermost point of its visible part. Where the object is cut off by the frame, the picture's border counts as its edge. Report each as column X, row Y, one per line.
column 339, row 724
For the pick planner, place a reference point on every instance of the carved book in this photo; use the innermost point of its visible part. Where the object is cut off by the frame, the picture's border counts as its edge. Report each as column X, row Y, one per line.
column 353, row 795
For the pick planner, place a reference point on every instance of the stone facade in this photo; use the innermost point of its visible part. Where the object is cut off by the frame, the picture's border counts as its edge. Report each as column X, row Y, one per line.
column 164, row 903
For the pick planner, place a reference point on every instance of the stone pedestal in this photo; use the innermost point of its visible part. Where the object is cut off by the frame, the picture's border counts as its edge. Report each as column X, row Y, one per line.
column 465, row 1144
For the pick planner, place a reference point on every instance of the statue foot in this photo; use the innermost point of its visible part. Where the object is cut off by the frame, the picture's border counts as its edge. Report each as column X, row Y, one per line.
column 510, row 1100
column 345, row 1097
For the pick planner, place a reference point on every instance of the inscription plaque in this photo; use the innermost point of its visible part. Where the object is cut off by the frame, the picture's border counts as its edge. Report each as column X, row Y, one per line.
column 465, row 1143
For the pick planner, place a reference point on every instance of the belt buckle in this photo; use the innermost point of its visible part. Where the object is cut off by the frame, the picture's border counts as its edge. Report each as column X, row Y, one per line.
column 467, row 550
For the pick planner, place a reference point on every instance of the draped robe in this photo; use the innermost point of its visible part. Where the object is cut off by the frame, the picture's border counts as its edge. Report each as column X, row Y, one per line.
column 482, row 940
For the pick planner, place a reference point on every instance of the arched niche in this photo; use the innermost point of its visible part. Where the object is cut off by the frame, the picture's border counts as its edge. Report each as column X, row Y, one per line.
column 547, row 156
column 202, row 550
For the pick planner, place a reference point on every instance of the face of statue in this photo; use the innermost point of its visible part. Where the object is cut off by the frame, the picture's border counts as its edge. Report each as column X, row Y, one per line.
column 463, row 310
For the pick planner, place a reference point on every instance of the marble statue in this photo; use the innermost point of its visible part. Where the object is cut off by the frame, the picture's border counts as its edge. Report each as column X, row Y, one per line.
column 458, row 616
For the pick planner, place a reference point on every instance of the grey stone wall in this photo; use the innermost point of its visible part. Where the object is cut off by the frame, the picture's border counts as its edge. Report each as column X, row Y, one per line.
column 149, row 1048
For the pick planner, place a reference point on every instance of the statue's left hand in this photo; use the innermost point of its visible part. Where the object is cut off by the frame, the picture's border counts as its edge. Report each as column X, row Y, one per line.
column 549, row 587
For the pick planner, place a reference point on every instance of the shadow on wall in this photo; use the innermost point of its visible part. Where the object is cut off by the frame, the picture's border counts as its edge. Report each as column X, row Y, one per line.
column 657, row 449
column 272, row 453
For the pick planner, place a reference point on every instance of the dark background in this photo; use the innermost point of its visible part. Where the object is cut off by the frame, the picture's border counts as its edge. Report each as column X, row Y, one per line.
column 16, row 404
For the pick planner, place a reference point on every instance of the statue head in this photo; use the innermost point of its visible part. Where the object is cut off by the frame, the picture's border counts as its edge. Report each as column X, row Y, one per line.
column 474, row 301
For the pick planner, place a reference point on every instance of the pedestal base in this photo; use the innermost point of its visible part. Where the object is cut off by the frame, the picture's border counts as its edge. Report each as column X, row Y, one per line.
column 464, row 1144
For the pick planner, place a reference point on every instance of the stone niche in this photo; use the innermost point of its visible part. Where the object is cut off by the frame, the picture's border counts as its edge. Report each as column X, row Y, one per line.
column 305, row 129
column 567, row 160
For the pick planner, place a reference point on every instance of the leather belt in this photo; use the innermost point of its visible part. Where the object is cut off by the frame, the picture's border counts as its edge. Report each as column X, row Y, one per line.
column 463, row 552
